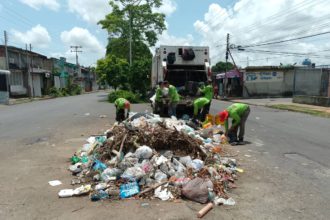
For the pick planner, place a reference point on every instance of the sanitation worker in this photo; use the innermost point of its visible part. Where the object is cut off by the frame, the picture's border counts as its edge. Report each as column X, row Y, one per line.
column 121, row 104
column 239, row 113
column 174, row 98
column 201, row 108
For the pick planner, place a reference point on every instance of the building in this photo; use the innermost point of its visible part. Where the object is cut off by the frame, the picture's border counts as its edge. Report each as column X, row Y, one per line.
column 268, row 81
column 29, row 72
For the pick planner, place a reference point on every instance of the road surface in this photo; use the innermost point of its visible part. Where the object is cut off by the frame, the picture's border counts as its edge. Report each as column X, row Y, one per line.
column 287, row 170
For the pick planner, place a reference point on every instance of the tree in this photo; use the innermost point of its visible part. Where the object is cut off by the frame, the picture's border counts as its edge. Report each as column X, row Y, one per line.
column 113, row 71
column 221, row 67
column 140, row 76
column 134, row 18
column 120, row 48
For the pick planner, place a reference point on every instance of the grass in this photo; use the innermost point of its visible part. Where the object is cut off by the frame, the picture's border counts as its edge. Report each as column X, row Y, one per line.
column 302, row 109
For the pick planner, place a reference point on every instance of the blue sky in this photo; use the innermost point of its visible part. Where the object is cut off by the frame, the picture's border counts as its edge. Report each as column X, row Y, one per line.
column 51, row 26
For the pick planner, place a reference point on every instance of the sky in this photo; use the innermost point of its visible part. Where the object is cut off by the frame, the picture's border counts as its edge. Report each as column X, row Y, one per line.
column 52, row 26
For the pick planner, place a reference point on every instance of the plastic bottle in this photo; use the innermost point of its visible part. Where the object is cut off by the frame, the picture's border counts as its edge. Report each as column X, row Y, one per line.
column 75, row 159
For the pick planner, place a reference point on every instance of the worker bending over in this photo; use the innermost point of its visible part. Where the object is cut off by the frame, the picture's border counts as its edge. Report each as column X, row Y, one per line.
column 239, row 112
column 207, row 91
column 121, row 104
column 201, row 108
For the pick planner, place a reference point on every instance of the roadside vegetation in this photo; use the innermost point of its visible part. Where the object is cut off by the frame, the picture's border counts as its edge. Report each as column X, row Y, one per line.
column 301, row 109
column 136, row 22
column 70, row 90
column 130, row 96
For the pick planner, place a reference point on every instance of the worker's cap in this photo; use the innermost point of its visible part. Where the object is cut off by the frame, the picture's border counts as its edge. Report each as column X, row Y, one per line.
column 127, row 104
column 223, row 116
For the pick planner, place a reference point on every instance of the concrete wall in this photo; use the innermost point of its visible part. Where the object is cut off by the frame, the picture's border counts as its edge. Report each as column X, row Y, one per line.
column 311, row 82
column 270, row 87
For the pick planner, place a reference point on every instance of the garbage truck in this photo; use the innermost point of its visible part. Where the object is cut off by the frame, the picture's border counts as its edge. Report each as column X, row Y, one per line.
column 185, row 67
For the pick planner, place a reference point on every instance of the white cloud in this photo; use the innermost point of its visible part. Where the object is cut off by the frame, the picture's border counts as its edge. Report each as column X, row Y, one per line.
column 37, row 4
column 91, row 11
column 255, row 21
column 82, row 37
column 168, row 7
column 38, row 36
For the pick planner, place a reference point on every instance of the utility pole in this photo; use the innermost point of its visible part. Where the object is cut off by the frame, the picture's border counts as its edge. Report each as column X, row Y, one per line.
column 28, row 72
column 7, row 63
column 247, row 61
column 76, row 50
column 227, row 53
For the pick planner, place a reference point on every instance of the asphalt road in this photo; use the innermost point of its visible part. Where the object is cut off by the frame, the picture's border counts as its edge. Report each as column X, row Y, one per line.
column 287, row 170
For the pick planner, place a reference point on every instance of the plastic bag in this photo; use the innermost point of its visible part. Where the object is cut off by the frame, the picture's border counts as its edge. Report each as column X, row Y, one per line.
column 185, row 160
column 129, row 189
column 163, row 194
column 160, row 160
column 143, row 152
column 76, row 168
column 98, row 165
column 108, row 173
column 133, row 173
column 100, row 186
column 197, row 190
column 160, row 176
column 197, row 164
column 82, row 190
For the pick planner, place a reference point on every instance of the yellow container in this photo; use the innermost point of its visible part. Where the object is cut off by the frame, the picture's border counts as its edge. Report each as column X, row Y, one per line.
column 207, row 125
column 217, row 120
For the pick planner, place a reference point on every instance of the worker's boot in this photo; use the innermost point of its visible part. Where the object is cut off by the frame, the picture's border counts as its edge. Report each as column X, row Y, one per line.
column 241, row 141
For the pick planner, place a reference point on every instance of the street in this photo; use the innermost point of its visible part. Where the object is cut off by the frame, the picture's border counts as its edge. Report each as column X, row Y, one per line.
column 286, row 164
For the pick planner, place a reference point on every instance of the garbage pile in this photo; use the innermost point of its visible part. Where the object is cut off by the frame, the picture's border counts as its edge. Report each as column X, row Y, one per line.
column 152, row 157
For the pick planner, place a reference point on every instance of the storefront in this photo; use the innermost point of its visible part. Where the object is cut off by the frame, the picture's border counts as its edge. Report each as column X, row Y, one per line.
column 229, row 84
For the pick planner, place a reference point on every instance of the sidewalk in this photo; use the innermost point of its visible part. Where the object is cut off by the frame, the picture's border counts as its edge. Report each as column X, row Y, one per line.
column 287, row 104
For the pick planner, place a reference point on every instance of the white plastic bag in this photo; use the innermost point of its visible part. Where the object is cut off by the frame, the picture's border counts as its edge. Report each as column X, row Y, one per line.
column 143, row 152
column 160, row 176
column 133, row 173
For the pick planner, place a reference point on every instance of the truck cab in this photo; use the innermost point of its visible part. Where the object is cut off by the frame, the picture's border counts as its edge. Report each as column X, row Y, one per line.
column 185, row 67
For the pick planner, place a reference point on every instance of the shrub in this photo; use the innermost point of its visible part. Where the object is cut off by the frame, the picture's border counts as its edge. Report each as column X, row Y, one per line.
column 130, row 96
column 54, row 92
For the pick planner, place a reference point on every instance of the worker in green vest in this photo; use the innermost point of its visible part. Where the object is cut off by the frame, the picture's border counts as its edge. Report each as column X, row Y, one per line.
column 174, row 98
column 239, row 112
column 121, row 104
column 207, row 91
column 200, row 108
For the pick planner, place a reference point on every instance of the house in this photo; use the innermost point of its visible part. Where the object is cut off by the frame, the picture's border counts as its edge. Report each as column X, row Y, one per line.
column 29, row 72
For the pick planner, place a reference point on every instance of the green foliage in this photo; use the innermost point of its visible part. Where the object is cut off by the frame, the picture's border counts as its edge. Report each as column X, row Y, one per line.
column 144, row 23
column 114, row 71
column 71, row 89
column 140, row 76
column 130, row 96
column 221, row 67
column 54, row 92
column 120, row 48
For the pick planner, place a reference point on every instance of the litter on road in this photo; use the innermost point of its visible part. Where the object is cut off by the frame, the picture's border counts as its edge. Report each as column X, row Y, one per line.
column 147, row 156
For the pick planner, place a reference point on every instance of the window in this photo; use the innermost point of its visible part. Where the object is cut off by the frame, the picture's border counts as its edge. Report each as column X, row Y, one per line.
column 16, row 78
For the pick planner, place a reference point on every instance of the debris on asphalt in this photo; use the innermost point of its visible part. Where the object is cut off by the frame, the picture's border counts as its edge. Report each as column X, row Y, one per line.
column 205, row 210
column 55, row 183
column 148, row 157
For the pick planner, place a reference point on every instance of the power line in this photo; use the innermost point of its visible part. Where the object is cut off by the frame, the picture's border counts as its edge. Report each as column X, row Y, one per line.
column 282, row 41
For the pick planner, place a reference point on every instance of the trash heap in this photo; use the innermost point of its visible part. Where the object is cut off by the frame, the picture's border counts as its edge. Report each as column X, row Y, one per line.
column 152, row 157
